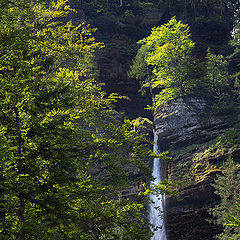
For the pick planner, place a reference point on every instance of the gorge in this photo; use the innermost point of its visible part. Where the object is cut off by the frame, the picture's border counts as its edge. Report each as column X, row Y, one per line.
column 78, row 110
column 187, row 125
column 185, row 128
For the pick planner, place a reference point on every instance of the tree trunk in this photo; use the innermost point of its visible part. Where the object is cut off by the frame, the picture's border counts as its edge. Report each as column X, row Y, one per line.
column 179, row 82
column 151, row 90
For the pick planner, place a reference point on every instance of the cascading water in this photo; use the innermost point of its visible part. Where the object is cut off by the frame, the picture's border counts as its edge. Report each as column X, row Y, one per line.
column 156, row 208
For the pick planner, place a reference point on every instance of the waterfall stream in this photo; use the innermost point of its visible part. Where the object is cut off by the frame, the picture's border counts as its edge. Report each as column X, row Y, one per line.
column 156, row 208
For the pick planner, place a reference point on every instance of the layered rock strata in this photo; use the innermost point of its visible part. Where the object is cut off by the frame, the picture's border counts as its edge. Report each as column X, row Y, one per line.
column 185, row 121
column 184, row 127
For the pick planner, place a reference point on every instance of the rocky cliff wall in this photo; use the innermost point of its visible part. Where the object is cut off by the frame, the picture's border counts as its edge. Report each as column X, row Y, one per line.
column 184, row 128
column 120, row 27
column 120, row 34
column 188, row 131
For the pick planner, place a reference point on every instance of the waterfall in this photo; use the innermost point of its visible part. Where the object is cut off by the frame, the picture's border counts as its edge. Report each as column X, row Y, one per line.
column 156, row 208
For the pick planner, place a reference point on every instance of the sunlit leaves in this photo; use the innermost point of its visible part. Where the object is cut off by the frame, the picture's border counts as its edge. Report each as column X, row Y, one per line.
column 64, row 149
column 166, row 52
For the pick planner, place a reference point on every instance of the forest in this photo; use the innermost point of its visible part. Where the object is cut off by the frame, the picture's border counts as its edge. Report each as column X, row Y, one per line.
column 80, row 80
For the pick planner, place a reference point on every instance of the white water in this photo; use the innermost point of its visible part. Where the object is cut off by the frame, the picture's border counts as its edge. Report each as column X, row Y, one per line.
column 156, row 208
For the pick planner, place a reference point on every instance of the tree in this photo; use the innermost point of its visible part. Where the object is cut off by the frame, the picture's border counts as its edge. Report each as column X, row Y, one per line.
column 227, row 212
column 142, row 71
column 217, row 76
column 168, row 52
column 234, row 220
column 55, row 124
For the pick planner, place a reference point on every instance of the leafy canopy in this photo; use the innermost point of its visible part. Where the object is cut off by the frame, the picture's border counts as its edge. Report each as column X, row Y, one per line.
column 57, row 128
column 166, row 52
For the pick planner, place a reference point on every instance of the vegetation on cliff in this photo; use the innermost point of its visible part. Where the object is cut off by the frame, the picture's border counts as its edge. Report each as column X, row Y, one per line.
column 64, row 149
column 227, row 213
column 166, row 55
column 167, row 63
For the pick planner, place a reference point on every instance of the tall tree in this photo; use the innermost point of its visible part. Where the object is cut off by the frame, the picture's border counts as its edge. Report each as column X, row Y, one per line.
column 217, row 77
column 55, row 124
column 168, row 52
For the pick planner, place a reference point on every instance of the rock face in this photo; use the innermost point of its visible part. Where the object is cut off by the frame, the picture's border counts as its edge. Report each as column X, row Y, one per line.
column 184, row 121
column 120, row 34
column 184, row 127
column 188, row 218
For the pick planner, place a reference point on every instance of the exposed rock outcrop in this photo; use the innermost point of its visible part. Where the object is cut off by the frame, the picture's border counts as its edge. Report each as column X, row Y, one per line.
column 191, row 213
column 186, row 128
column 185, row 121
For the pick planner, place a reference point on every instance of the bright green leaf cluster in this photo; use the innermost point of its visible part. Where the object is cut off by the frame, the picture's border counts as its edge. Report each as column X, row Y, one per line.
column 64, row 149
column 166, row 52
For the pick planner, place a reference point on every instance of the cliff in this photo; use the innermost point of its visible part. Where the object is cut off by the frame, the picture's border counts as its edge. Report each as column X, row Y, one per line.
column 185, row 128
column 198, row 143
column 120, row 27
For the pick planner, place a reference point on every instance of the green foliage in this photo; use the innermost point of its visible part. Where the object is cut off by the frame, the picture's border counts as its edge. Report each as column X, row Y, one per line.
column 234, row 58
column 139, row 68
column 227, row 212
column 165, row 187
column 213, row 153
column 235, row 41
column 166, row 96
column 182, row 158
column 56, row 126
column 195, row 162
column 217, row 77
column 166, row 51
column 165, row 63
column 170, row 47
column 234, row 220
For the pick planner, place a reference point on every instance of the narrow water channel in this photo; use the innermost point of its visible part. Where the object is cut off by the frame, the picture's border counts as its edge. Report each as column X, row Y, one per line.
column 157, row 207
